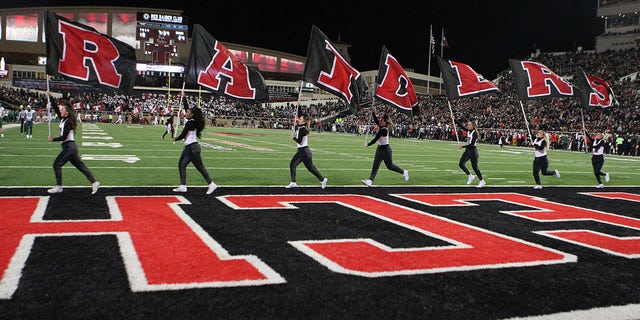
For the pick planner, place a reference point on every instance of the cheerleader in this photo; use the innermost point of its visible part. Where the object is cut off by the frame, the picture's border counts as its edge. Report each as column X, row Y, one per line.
column 597, row 145
column 470, row 153
column 191, row 152
column 383, row 151
column 301, row 136
column 540, row 160
column 69, row 153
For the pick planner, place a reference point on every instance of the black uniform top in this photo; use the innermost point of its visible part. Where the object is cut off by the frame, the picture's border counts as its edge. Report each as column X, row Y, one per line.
column 472, row 136
column 382, row 134
column 597, row 146
column 66, row 126
column 301, row 137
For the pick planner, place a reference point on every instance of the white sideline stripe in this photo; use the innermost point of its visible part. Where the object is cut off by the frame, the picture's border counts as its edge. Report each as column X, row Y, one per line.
column 626, row 312
column 314, row 185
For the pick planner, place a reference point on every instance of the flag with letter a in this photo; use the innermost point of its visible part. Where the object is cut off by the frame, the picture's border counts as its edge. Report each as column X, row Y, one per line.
column 394, row 86
column 81, row 54
column 461, row 81
column 214, row 67
column 326, row 68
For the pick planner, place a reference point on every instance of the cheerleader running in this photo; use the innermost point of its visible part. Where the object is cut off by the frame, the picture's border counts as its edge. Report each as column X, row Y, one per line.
column 470, row 153
column 191, row 152
column 597, row 145
column 69, row 152
column 541, row 161
column 383, row 151
column 303, row 154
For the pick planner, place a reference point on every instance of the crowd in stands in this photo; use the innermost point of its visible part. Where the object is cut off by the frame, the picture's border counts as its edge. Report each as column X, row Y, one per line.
column 499, row 116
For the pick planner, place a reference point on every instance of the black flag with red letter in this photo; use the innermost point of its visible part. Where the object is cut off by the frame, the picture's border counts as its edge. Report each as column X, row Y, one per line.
column 214, row 67
column 534, row 80
column 394, row 86
column 326, row 68
column 595, row 92
column 461, row 81
column 81, row 54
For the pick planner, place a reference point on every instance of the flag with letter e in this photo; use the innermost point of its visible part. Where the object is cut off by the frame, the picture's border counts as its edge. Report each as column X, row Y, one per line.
column 595, row 92
column 461, row 81
column 214, row 67
column 394, row 86
column 326, row 68
column 81, row 54
column 534, row 80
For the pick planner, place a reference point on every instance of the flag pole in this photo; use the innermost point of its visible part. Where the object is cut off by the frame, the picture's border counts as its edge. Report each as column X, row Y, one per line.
column 175, row 128
column 584, row 128
column 453, row 121
column 48, row 106
column 295, row 116
column 441, row 56
column 373, row 109
column 525, row 120
column 430, row 49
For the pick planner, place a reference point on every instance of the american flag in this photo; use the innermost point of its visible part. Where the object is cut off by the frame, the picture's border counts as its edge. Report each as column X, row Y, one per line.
column 433, row 42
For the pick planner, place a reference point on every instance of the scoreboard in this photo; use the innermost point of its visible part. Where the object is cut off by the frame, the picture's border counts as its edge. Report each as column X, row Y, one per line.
column 161, row 28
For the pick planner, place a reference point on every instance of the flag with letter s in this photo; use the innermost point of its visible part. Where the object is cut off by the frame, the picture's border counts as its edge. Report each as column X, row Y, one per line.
column 214, row 67
column 79, row 53
column 595, row 92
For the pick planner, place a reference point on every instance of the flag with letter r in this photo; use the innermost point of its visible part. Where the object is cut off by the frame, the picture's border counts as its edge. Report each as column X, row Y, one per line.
column 79, row 53
column 534, row 81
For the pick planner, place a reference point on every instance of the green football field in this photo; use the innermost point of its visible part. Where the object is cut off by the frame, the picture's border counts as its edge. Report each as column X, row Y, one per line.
column 135, row 155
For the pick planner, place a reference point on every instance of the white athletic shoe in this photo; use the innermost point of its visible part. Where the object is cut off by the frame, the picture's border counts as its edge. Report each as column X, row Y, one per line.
column 481, row 184
column 181, row 188
column 367, row 182
column 537, row 187
column 212, row 187
column 94, row 187
column 56, row 189
column 606, row 177
column 600, row 186
column 557, row 174
column 323, row 184
column 471, row 178
column 405, row 175
column 291, row 185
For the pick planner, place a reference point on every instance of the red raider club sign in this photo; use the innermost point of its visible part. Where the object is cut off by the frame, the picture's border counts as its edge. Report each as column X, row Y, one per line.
column 461, row 81
column 326, row 68
column 146, row 228
column 81, row 54
column 394, row 86
column 535, row 80
column 214, row 67
column 595, row 92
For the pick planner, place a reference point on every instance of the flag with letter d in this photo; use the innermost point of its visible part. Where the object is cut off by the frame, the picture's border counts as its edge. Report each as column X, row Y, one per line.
column 394, row 86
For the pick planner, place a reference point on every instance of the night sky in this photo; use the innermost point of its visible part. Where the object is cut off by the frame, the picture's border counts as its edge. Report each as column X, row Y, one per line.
column 482, row 34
